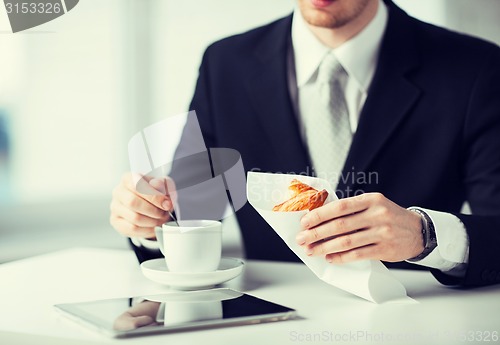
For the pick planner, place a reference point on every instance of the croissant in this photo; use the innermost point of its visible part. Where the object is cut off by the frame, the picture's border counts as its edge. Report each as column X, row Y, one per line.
column 304, row 197
column 298, row 187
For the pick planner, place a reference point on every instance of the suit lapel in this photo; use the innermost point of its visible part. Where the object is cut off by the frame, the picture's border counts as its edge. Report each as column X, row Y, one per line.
column 269, row 91
column 390, row 98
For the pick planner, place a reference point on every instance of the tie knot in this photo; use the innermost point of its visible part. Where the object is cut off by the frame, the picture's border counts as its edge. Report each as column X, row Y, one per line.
column 330, row 69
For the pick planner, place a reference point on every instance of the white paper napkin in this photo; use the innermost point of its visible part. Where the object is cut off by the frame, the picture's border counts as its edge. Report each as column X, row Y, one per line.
column 368, row 279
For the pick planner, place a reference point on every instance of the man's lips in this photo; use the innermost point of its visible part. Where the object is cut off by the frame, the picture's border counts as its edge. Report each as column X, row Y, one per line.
column 322, row 3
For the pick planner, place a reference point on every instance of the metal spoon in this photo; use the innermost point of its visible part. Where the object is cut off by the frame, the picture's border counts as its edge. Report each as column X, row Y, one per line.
column 172, row 216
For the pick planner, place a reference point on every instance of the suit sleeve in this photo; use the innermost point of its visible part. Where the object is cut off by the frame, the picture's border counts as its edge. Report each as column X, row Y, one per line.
column 481, row 176
column 143, row 253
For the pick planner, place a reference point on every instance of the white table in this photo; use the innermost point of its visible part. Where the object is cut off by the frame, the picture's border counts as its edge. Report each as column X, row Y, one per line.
column 29, row 288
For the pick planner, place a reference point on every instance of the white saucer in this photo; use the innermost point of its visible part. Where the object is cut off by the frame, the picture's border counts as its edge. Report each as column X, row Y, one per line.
column 157, row 271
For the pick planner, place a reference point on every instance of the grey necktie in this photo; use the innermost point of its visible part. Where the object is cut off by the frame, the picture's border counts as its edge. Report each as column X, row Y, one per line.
column 328, row 131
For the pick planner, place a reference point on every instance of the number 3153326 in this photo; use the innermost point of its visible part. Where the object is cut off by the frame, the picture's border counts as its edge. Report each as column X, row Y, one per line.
column 33, row 8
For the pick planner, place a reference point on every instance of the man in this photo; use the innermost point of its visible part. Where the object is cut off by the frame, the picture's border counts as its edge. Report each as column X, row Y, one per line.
column 413, row 103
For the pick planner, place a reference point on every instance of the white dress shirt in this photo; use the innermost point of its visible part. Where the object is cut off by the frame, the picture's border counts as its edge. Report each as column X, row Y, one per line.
column 359, row 57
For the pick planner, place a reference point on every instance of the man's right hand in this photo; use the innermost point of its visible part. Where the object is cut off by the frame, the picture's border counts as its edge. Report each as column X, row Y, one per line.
column 135, row 214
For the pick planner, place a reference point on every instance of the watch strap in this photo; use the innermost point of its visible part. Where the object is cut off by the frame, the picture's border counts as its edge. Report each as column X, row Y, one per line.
column 428, row 234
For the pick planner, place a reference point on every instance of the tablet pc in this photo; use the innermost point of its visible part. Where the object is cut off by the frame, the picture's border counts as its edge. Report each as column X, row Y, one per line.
column 174, row 312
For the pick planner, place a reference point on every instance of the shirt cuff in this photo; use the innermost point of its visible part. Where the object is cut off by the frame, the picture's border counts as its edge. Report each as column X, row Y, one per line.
column 452, row 250
column 148, row 244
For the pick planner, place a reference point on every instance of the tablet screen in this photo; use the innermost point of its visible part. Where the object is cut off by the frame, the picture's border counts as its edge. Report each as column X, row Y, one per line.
column 177, row 311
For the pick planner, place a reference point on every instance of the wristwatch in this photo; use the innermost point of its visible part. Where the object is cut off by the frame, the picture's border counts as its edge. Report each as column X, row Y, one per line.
column 428, row 234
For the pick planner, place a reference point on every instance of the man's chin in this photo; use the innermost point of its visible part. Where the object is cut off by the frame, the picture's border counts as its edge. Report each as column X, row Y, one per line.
column 322, row 19
column 332, row 14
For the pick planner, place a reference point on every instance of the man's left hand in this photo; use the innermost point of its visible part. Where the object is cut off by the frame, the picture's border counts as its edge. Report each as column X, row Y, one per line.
column 367, row 226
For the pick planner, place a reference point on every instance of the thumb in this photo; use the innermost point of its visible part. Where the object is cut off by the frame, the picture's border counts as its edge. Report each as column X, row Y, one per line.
column 164, row 186
column 159, row 185
column 153, row 193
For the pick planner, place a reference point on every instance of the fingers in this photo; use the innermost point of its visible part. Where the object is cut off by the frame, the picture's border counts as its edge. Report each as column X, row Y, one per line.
column 130, row 230
column 135, row 214
column 136, row 203
column 159, row 185
column 165, row 186
column 143, row 320
column 363, row 253
column 335, row 209
column 341, row 244
column 150, row 218
column 366, row 227
column 332, row 228
column 126, row 322
column 153, row 191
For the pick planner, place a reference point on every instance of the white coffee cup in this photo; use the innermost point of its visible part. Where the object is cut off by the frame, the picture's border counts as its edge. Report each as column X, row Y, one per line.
column 192, row 247
column 185, row 312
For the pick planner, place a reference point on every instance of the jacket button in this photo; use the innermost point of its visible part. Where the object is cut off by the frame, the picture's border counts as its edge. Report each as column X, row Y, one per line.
column 485, row 274
column 492, row 277
column 498, row 277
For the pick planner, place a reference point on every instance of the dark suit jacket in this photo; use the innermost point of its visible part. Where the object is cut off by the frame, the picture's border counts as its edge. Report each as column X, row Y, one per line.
column 430, row 128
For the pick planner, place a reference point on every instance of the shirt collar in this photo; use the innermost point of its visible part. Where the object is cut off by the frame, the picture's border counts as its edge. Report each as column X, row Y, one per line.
column 358, row 56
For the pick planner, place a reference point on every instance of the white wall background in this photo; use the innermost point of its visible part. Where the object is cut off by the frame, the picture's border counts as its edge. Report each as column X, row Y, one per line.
column 480, row 18
column 63, row 86
column 65, row 94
